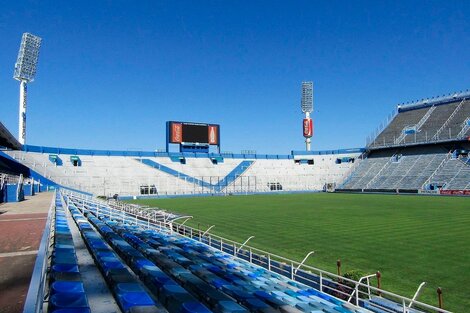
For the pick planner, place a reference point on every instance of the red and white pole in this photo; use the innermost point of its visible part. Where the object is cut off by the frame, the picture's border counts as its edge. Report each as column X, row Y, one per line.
column 307, row 130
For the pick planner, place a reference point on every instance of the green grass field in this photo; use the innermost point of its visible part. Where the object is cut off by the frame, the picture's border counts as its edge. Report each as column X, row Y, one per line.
column 410, row 239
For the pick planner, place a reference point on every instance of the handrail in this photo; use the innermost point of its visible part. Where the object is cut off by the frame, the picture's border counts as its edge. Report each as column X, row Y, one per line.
column 444, row 161
column 35, row 296
column 243, row 244
column 420, row 287
column 436, row 135
column 272, row 262
column 373, row 136
column 356, row 288
column 378, row 173
column 465, row 127
column 207, row 230
column 417, row 125
column 303, row 261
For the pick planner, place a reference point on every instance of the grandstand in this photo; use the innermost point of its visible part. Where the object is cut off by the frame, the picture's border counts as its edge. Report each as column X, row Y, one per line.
column 424, row 147
column 140, row 261
column 156, row 173
column 443, row 119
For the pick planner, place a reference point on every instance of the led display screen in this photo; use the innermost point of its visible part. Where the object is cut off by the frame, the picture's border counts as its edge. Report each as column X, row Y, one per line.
column 184, row 132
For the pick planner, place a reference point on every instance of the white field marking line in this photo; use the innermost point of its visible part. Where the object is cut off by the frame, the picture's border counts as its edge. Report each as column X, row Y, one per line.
column 19, row 253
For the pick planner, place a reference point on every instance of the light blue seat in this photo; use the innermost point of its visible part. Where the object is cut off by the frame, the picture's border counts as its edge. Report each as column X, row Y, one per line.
column 230, row 307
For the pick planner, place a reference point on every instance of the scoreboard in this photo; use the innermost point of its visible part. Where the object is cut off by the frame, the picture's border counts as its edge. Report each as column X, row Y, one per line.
column 188, row 134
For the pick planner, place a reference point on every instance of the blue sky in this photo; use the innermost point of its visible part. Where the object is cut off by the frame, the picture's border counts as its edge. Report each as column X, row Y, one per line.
column 112, row 72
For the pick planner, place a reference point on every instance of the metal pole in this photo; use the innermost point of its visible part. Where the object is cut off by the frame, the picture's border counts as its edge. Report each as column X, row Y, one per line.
column 379, row 276
column 292, row 270
column 439, row 295
column 301, row 263
column 243, row 244
column 207, row 230
column 321, row 281
column 417, row 294
column 22, row 113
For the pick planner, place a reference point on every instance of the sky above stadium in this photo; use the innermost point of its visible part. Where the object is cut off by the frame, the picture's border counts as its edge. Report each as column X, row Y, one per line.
column 111, row 73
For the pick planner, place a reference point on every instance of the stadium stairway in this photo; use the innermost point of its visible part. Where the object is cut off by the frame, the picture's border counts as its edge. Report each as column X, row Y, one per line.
column 226, row 181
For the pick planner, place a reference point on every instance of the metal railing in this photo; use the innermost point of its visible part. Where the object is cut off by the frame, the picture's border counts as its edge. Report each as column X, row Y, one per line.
column 356, row 293
column 348, row 174
column 373, row 136
column 379, row 173
column 443, row 162
column 436, row 136
column 465, row 127
column 417, row 126
column 35, row 296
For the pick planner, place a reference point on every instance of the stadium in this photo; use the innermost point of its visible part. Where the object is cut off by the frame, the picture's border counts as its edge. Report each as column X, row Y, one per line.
column 193, row 228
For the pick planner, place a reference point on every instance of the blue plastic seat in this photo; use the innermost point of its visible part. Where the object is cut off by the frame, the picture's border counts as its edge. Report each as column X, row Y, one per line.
column 65, row 268
column 68, row 300
column 67, row 287
column 128, row 287
column 230, row 307
column 105, row 254
column 255, row 304
column 143, row 262
column 62, row 259
column 130, row 299
column 194, row 307
column 72, row 310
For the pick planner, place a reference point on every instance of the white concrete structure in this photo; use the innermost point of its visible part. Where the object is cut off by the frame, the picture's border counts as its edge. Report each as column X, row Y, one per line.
column 125, row 175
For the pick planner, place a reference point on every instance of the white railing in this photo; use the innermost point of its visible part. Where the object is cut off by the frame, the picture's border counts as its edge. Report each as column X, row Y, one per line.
column 373, row 136
column 437, row 100
column 356, row 288
column 465, row 127
column 348, row 174
column 443, row 162
column 326, row 282
column 436, row 136
column 9, row 179
column 417, row 126
column 378, row 174
column 408, row 171
column 456, row 174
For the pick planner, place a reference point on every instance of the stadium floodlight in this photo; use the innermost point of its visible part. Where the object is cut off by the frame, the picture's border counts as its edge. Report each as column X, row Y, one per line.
column 306, row 104
column 25, row 71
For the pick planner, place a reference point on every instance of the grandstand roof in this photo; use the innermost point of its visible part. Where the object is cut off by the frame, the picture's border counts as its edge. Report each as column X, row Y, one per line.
column 453, row 97
column 7, row 140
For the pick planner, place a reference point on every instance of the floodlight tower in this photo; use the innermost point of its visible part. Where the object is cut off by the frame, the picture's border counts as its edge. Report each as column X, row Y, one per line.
column 306, row 105
column 25, row 70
